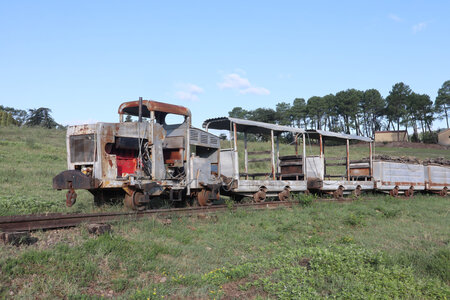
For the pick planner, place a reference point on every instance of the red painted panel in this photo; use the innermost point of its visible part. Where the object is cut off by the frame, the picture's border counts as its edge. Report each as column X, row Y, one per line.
column 126, row 162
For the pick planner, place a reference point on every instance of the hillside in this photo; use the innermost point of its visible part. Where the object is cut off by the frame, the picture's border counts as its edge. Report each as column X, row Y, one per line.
column 31, row 157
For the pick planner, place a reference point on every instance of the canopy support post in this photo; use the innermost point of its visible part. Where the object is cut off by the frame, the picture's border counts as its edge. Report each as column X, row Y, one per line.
column 245, row 155
column 348, row 160
column 273, row 154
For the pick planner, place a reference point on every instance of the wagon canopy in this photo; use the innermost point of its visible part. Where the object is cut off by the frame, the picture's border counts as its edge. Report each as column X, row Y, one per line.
column 225, row 123
column 328, row 135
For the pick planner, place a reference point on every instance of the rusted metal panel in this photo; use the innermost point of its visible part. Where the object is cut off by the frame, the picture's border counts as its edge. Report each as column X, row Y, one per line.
column 333, row 185
column 249, row 126
column 158, row 170
column 292, row 164
column 437, row 177
column 202, row 138
column 387, row 175
column 359, row 169
column 273, row 186
column 314, row 134
column 314, row 167
column 74, row 179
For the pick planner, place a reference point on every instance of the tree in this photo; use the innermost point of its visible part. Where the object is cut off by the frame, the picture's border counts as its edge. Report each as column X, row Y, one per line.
column 419, row 110
column 18, row 115
column 316, row 109
column 266, row 115
column 442, row 103
column 372, row 108
column 396, row 103
column 347, row 106
column 41, row 117
column 299, row 113
column 3, row 117
column 239, row 112
column 283, row 114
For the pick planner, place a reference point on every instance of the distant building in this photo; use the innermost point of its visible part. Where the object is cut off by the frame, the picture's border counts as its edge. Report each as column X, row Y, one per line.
column 391, row 136
column 444, row 137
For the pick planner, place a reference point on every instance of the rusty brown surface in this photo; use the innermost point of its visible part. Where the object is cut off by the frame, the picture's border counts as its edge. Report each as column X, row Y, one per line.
column 402, row 183
column 360, row 171
column 157, row 106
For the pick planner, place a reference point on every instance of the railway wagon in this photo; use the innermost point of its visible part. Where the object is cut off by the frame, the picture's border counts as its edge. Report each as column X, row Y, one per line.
column 315, row 172
column 142, row 162
column 297, row 172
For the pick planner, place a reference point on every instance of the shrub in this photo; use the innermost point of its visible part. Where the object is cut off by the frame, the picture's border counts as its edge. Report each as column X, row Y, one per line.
column 304, row 199
column 354, row 220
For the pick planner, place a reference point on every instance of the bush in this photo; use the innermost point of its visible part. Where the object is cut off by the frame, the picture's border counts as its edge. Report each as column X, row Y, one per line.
column 304, row 199
column 430, row 137
column 354, row 220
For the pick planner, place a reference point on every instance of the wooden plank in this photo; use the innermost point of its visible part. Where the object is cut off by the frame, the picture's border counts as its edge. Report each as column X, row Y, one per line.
column 259, row 152
column 259, row 160
column 336, row 164
column 290, row 163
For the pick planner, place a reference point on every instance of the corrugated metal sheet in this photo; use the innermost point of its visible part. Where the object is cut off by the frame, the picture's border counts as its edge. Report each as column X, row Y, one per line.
column 249, row 126
column 336, row 135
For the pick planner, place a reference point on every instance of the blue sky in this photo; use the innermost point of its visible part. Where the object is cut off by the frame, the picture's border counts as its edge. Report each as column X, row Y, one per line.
column 83, row 58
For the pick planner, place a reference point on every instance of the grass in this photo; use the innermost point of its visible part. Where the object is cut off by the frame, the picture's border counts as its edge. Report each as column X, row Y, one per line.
column 29, row 159
column 377, row 247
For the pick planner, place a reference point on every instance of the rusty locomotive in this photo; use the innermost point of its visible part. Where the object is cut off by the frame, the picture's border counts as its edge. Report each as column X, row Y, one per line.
column 148, row 160
column 142, row 161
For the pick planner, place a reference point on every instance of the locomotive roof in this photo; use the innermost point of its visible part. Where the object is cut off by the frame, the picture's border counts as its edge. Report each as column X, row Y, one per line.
column 132, row 108
column 225, row 123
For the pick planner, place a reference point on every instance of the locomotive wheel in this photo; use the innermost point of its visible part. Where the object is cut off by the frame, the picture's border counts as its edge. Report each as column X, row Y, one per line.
column 132, row 201
column 203, row 197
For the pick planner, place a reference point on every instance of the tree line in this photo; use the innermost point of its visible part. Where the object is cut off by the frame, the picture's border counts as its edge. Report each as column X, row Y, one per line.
column 359, row 112
column 41, row 117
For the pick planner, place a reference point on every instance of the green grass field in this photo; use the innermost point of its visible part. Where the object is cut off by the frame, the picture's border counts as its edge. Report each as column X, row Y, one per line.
column 375, row 247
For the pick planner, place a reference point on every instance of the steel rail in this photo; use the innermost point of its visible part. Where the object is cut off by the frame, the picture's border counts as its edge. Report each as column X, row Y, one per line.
column 62, row 220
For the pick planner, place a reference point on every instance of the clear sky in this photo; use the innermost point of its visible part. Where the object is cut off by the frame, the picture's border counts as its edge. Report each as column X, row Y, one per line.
column 83, row 58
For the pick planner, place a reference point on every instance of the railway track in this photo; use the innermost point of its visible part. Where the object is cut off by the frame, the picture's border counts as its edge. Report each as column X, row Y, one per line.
column 60, row 220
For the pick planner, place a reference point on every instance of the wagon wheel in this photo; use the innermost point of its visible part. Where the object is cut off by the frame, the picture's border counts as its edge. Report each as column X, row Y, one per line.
column 443, row 192
column 284, row 195
column 259, row 196
column 394, row 192
column 357, row 191
column 339, row 193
